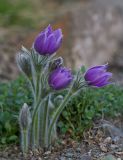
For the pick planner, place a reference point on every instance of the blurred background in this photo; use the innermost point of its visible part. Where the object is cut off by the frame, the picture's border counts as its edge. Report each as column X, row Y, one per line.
column 93, row 31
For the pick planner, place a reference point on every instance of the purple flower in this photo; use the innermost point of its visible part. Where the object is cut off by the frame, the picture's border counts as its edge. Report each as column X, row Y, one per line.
column 98, row 76
column 60, row 78
column 48, row 41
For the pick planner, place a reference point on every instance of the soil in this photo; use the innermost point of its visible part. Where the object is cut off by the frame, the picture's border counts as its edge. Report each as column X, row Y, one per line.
column 97, row 144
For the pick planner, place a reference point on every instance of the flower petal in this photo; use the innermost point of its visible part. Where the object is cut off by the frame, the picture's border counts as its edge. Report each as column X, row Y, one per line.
column 60, row 78
column 48, row 41
column 39, row 42
column 58, row 33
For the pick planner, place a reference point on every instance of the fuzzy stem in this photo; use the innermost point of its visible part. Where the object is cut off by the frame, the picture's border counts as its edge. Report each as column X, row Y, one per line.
column 36, row 131
column 35, row 120
column 34, row 115
column 25, row 142
column 45, row 126
column 57, row 114
column 34, row 126
column 32, row 89
column 41, row 119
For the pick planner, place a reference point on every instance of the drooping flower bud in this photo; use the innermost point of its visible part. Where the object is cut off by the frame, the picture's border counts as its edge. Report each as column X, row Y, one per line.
column 24, row 64
column 56, row 63
column 48, row 41
column 60, row 78
column 98, row 76
column 24, row 117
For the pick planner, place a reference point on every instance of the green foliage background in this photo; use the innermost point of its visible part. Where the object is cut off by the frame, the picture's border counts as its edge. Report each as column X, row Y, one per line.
column 77, row 117
column 12, row 97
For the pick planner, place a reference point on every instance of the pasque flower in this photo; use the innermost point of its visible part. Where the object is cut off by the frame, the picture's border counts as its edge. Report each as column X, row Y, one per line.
column 60, row 78
column 48, row 41
column 98, row 76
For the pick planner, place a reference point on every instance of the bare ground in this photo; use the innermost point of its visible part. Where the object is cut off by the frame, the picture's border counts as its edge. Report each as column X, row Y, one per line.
column 97, row 143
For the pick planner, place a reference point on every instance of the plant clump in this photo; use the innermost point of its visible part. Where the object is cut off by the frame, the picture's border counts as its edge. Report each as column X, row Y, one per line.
column 48, row 78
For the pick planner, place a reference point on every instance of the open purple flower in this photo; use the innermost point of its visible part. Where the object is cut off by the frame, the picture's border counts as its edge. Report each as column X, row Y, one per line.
column 60, row 78
column 48, row 41
column 98, row 76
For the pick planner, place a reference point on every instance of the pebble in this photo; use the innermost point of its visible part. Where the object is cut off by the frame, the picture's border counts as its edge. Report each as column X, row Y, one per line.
column 47, row 153
column 78, row 149
column 108, row 140
column 103, row 148
column 109, row 157
column 114, row 146
column 69, row 155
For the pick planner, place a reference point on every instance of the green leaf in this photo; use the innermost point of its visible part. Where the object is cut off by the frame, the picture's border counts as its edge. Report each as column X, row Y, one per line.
column 13, row 138
column 3, row 140
column 8, row 126
column 83, row 69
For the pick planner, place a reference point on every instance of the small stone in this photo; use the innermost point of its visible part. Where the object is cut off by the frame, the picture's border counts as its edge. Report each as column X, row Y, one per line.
column 47, row 153
column 103, row 148
column 86, row 157
column 116, row 139
column 63, row 142
column 31, row 153
column 62, row 158
column 36, row 152
column 69, row 155
column 78, row 149
column 45, row 157
column 109, row 157
column 114, row 146
column 119, row 153
column 108, row 140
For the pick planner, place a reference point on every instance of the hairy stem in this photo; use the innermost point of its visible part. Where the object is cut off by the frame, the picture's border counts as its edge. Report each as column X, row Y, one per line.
column 57, row 114
column 45, row 126
column 25, row 142
column 36, row 131
column 39, row 104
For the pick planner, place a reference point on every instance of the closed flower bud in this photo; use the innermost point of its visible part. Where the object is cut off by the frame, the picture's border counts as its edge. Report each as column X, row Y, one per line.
column 24, row 117
column 24, row 64
column 98, row 76
column 60, row 78
column 56, row 63
column 48, row 41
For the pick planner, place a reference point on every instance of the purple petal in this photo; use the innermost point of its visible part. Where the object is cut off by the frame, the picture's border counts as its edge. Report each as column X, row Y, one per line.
column 104, row 84
column 58, row 33
column 48, row 41
column 59, row 81
column 106, row 75
column 60, row 78
column 58, row 43
column 51, row 43
column 102, row 80
column 39, row 42
column 105, row 66
column 48, row 30
column 93, row 74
